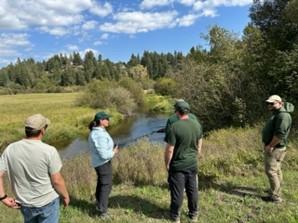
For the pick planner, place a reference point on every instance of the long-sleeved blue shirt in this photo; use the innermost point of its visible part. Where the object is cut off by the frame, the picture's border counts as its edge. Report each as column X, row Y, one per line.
column 101, row 146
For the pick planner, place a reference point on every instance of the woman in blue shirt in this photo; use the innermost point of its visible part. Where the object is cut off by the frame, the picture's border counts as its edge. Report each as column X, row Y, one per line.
column 102, row 150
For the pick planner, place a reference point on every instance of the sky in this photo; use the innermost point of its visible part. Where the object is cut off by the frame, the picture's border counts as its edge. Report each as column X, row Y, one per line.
column 116, row 29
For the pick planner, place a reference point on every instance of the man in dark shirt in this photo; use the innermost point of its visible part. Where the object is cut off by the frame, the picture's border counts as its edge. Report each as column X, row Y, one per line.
column 184, row 141
column 274, row 137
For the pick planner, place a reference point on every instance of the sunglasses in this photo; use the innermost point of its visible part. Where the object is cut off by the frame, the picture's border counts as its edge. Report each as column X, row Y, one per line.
column 270, row 103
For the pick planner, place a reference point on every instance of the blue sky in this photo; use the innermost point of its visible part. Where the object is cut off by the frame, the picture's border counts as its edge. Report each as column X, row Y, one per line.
column 115, row 29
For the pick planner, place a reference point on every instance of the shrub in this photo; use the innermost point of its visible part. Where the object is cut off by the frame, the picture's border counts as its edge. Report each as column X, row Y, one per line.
column 108, row 94
column 134, row 88
column 122, row 100
column 158, row 104
column 165, row 86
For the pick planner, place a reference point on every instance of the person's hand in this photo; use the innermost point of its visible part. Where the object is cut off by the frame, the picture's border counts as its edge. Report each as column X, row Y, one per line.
column 268, row 149
column 66, row 201
column 11, row 202
column 116, row 149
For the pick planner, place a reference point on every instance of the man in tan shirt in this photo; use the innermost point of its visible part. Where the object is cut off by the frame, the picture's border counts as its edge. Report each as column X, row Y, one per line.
column 33, row 169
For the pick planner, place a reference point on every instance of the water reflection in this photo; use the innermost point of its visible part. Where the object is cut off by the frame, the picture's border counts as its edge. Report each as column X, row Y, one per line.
column 126, row 133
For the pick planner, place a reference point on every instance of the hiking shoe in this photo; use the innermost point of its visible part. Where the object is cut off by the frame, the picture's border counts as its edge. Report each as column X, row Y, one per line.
column 193, row 218
column 105, row 216
column 272, row 199
column 175, row 220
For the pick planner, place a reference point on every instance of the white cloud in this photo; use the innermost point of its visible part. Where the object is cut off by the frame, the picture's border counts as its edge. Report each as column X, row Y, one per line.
column 52, row 14
column 135, row 22
column 148, row 4
column 55, row 31
column 89, row 25
column 13, row 40
column 101, row 10
column 102, row 39
column 229, row 2
column 11, row 44
column 186, row 2
column 209, row 12
column 211, row 5
column 104, row 36
column 187, row 20
column 72, row 48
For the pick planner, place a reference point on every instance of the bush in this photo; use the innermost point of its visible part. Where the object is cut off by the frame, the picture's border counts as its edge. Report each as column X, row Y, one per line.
column 122, row 100
column 134, row 88
column 158, row 104
column 165, row 86
column 108, row 94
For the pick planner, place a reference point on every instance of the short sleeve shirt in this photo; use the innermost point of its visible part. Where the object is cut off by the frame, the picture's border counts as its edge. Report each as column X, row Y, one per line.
column 29, row 164
column 184, row 136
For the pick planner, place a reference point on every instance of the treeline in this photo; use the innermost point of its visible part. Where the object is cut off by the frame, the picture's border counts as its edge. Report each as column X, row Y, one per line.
column 226, row 84
column 62, row 70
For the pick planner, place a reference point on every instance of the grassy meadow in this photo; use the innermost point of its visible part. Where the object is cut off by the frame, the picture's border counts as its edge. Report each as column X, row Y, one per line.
column 68, row 121
column 231, row 176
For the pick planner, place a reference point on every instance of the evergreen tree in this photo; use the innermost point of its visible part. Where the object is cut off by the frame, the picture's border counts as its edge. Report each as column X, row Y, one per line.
column 89, row 65
column 77, row 60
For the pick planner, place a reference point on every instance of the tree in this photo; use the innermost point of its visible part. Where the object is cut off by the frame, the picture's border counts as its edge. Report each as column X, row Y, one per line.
column 133, row 61
column 138, row 72
column 276, row 20
column 273, row 18
column 89, row 65
column 77, row 60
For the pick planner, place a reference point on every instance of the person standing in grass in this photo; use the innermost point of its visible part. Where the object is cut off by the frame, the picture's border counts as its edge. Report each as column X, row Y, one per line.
column 274, row 136
column 102, row 150
column 33, row 169
column 184, row 142
column 173, row 118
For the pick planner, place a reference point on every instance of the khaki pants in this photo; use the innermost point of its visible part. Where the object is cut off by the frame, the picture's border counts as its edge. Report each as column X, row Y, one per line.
column 273, row 171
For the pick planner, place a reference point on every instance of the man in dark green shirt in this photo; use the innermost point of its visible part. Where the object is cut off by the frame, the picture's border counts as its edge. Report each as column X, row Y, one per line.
column 274, row 137
column 174, row 117
column 184, row 141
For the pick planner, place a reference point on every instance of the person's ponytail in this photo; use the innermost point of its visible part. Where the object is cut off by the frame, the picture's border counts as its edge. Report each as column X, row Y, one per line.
column 92, row 124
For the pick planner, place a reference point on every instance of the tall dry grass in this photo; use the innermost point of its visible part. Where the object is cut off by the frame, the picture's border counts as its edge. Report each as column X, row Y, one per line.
column 227, row 152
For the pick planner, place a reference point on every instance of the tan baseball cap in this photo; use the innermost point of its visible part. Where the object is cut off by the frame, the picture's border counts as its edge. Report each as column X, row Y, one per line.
column 36, row 121
column 274, row 98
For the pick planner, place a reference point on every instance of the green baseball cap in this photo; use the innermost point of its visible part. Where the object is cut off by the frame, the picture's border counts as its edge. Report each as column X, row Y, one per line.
column 101, row 115
column 181, row 105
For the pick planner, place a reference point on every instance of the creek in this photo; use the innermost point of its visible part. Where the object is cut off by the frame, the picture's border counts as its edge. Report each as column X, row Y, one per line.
column 126, row 133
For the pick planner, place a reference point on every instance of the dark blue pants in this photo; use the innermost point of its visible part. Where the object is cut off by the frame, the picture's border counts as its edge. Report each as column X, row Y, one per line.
column 104, row 186
column 178, row 181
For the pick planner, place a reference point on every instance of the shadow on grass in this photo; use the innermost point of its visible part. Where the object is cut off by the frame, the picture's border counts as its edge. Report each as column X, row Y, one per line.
column 138, row 205
column 211, row 182
column 84, row 206
column 129, row 203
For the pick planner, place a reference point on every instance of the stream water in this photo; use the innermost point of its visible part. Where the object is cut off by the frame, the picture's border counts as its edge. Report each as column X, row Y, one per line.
column 128, row 132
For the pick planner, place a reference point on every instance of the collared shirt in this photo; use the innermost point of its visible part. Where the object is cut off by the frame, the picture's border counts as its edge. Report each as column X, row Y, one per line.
column 278, row 125
column 101, row 146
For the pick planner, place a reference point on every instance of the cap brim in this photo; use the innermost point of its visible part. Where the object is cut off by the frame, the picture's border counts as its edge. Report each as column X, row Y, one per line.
column 48, row 122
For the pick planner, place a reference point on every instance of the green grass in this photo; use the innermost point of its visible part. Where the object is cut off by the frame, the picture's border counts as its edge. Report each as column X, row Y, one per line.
column 231, row 175
column 68, row 121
